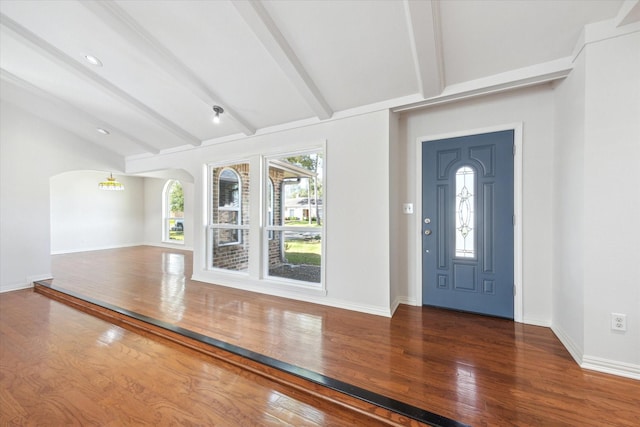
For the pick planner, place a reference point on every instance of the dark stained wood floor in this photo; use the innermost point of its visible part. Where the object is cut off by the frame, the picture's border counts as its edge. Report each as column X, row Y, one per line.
column 474, row 369
column 62, row 367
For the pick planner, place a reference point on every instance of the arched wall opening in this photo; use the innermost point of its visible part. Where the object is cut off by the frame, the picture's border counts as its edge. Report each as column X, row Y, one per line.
column 84, row 218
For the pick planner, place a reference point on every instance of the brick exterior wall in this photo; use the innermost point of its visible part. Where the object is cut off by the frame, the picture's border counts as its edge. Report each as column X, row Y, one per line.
column 275, row 245
column 236, row 256
column 231, row 256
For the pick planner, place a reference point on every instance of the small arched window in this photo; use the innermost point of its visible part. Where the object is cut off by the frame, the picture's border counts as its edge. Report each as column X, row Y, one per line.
column 173, row 212
column 229, row 205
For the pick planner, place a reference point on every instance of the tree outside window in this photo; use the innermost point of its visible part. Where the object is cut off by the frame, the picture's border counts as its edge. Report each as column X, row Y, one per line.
column 173, row 212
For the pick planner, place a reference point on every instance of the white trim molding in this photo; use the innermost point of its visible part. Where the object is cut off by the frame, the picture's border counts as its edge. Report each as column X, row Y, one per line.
column 574, row 350
column 28, row 283
column 15, row 287
column 97, row 248
column 614, row 367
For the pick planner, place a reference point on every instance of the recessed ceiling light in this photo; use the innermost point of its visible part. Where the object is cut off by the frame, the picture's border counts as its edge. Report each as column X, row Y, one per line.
column 102, row 131
column 93, row 60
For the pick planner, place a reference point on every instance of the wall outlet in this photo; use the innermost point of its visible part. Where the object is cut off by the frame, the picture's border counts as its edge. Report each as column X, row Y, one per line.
column 618, row 322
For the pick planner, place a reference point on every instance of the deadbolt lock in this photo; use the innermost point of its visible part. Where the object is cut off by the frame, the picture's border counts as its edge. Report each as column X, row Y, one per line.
column 427, row 220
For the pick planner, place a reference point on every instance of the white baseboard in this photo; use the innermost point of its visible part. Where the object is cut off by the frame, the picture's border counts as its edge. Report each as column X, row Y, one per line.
column 575, row 351
column 95, row 248
column 394, row 306
column 536, row 322
column 128, row 245
column 593, row 363
column 170, row 246
column 407, row 301
column 628, row 370
column 28, row 283
column 15, row 287
column 314, row 296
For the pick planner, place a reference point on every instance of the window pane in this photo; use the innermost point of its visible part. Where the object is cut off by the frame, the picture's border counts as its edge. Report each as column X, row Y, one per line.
column 176, row 229
column 465, row 213
column 230, row 194
column 296, row 255
column 298, row 189
column 227, row 252
column 295, row 201
column 174, row 212
column 228, row 217
column 229, row 189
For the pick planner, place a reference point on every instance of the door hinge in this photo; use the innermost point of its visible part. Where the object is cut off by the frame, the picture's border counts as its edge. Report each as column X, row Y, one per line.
column 513, row 220
column 514, row 289
column 514, row 149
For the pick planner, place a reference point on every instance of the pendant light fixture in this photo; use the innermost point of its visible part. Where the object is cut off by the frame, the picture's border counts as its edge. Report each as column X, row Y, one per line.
column 111, row 184
column 218, row 110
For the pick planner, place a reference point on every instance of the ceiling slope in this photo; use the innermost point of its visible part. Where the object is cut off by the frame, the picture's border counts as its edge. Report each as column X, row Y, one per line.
column 165, row 64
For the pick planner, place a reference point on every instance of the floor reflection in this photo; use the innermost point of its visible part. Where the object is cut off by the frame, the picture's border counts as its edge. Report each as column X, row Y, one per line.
column 111, row 335
column 172, row 301
column 467, row 394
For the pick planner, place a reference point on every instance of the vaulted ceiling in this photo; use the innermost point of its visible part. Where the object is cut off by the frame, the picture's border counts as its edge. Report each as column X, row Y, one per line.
column 272, row 64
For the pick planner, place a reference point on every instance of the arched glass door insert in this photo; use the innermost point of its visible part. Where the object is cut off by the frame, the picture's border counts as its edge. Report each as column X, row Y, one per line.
column 465, row 213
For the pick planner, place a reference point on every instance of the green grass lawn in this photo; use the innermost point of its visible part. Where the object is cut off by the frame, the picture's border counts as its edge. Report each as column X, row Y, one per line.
column 293, row 222
column 176, row 235
column 303, row 252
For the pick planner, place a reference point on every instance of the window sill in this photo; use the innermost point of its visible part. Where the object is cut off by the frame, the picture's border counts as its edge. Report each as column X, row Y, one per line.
column 174, row 242
column 270, row 285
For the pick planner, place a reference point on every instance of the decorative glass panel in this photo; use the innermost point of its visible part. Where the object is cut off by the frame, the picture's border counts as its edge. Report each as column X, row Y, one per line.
column 465, row 213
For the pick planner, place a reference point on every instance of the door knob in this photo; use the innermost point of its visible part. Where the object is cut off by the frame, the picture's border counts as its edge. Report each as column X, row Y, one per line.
column 427, row 232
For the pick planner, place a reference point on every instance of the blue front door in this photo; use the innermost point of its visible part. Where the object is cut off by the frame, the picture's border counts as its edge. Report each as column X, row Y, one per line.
column 467, row 223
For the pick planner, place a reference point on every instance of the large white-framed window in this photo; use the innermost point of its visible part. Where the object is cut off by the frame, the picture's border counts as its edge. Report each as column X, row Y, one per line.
column 228, row 228
column 173, row 212
column 283, row 244
column 293, row 235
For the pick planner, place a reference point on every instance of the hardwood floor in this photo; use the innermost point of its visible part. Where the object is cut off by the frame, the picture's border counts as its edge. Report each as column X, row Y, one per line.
column 59, row 366
column 473, row 369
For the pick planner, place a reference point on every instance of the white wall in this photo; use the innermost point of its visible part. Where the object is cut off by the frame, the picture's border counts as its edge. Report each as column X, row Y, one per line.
column 568, row 201
column 32, row 151
column 398, row 264
column 357, row 177
column 85, row 218
column 534, row 108
column 612, row 201
column 596, row 270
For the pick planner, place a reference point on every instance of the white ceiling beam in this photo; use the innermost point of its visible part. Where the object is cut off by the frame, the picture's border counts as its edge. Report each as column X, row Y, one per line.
column 510, row 80
column 81, row 71
column 629, row 12
column 425, row 34
column 79, row 113
column 258, row 19
column 146, row 44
